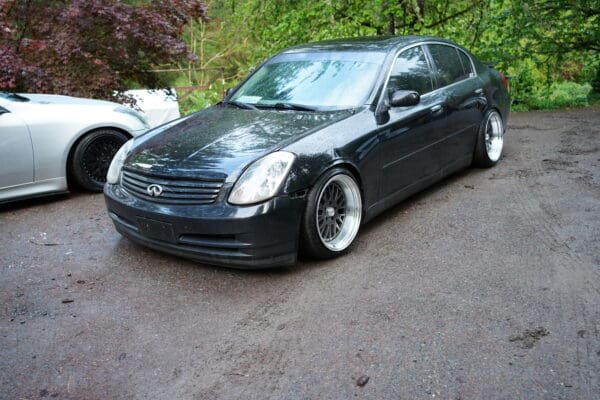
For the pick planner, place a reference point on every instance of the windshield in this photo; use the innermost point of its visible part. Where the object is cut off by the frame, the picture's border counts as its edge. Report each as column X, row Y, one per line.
column 312, row 80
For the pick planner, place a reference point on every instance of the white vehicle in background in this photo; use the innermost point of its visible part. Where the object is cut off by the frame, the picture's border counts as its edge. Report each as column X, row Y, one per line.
column 48, row 142
column 158, row 106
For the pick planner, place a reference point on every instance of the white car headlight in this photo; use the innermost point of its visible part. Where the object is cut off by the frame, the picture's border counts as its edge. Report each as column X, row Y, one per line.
column 262, row 179
column 114, row 171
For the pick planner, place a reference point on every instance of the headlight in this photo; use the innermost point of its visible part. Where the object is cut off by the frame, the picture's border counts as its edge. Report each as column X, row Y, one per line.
column 133, row 113
column 262, row 179
column 114, row 171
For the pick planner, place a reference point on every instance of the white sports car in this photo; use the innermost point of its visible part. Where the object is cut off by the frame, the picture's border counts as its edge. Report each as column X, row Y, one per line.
column 48, row 142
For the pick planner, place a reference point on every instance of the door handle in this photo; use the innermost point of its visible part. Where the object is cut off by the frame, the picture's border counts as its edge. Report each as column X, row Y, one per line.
column 436, row 109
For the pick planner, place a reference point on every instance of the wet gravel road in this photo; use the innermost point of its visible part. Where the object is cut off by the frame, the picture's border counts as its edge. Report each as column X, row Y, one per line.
column 484, row 287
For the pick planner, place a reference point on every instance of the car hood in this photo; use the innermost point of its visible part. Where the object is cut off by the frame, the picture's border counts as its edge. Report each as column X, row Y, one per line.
column 74, row 114
column 65, row 100
column 221, row 140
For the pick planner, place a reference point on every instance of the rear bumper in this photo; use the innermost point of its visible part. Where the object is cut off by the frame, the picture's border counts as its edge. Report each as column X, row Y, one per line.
column 257, row 236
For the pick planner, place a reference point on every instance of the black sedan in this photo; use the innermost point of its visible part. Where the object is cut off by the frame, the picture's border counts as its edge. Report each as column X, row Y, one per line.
column 318, row 140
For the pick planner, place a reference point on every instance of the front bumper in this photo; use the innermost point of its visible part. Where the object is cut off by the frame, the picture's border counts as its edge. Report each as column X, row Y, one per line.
column 257, row 236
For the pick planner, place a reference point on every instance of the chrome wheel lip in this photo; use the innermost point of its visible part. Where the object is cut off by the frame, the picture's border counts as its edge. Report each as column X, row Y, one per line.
column 494, row 136
column 351, row 217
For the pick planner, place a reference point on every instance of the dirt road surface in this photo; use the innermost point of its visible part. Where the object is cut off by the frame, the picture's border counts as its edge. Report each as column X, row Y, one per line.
column 486, row 286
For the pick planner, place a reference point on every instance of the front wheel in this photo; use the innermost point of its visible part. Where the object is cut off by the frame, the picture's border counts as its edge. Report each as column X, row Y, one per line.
column 332, row 216
column 92, row 157
column 490, row 140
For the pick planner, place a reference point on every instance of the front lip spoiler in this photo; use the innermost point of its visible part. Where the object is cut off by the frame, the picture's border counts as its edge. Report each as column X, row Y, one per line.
column 218, row 260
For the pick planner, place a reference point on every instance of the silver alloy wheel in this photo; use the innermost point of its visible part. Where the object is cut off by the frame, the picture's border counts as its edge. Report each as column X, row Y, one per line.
column 494, row 136
column 339, row 210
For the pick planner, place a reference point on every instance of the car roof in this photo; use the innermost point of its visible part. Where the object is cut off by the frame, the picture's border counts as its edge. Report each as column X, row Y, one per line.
column 368, row 43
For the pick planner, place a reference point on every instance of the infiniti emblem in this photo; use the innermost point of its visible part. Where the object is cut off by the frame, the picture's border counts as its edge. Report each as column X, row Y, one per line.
column 154, row 190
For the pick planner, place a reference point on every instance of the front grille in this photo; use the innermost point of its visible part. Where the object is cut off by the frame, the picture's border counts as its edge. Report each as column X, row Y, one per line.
column 174, row 191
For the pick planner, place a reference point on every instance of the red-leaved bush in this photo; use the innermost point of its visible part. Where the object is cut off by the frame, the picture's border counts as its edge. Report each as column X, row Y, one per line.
column 90, row 48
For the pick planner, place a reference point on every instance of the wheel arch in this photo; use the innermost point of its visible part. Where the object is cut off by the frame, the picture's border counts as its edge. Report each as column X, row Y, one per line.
column 71, row 149
column 478, row 160
column 350, row 167
column 353, row 169
column 310, row 243
column 492, row 107
column 495, row 107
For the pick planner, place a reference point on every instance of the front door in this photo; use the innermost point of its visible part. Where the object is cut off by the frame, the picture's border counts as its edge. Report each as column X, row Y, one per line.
column 16, row 153
column 406, row 140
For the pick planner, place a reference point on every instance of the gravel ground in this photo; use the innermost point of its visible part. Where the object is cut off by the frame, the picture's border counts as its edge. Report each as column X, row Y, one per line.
column 486, row 286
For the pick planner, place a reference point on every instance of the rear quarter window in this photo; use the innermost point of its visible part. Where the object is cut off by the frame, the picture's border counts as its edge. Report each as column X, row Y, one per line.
column 448, row 64
column 465, row 60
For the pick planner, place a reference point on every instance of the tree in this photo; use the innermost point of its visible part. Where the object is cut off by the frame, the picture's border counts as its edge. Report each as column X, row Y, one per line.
column 537, row 42
column 560, row 26
column 276, row 24
column 90, row 48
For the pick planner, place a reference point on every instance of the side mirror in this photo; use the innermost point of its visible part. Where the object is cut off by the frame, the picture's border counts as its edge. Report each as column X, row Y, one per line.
column 404, row 98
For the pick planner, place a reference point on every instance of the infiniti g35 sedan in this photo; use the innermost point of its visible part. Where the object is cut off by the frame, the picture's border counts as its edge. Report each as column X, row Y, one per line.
column 50, row 141
column 318, row 140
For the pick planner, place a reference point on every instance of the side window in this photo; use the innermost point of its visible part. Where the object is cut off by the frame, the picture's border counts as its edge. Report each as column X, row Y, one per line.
column 410, row 72
column 447, row 63
column 466, row 63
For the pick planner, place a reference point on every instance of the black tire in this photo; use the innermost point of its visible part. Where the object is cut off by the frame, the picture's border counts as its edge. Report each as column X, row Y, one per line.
column 92, row 156
column 490, row 140
column 317, row 233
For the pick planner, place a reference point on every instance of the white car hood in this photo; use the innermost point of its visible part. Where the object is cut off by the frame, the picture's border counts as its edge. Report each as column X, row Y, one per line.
column 81, row 114
column 66, row 100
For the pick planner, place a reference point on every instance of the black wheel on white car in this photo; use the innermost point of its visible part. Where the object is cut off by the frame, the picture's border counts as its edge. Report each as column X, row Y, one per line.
column 332, row 216
column 490, row 140
column 92, row 157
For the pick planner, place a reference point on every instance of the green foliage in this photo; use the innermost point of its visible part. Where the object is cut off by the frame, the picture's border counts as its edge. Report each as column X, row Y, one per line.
column 596, row 81
column 560, row 95
column 546, row 46
column 197, row 99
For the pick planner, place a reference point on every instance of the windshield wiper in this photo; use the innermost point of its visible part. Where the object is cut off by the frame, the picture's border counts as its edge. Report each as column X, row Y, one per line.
column 288, row 106
column 239, row 104
column 14, row 97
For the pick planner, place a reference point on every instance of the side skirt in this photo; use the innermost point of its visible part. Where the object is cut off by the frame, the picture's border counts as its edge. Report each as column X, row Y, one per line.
column 415, row 187
column 33, row 189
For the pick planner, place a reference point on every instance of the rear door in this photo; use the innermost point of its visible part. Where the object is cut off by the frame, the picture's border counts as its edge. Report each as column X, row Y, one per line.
column 16, row 152
column 461, row 93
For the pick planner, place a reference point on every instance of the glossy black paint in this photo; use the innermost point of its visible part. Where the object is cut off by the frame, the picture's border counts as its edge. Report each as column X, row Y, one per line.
column 262, row 235
column 392, row 151
column 220, row 140
column 404, row 98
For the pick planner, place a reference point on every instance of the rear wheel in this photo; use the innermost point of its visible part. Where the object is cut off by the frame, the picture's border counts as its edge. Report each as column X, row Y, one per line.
column 332, row 216
column 92, row 157
column 490, row 140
